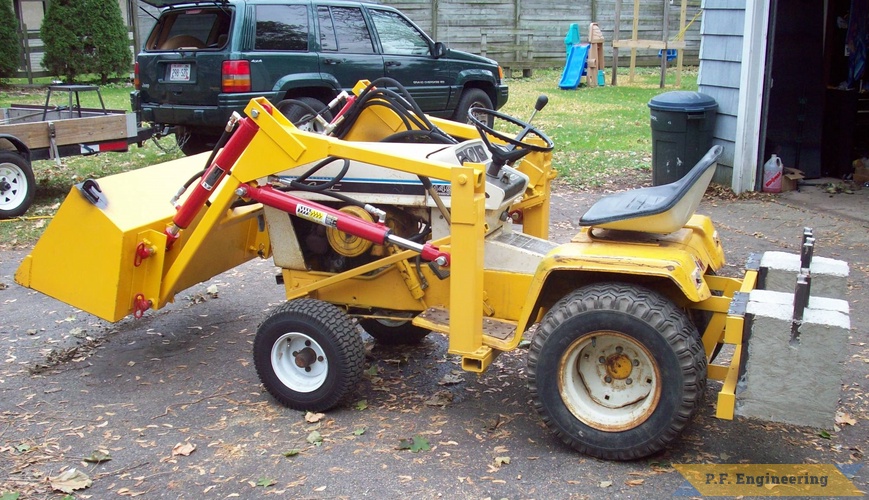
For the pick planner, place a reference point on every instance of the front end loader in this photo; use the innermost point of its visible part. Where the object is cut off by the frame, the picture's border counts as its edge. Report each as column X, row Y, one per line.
column 406, row 225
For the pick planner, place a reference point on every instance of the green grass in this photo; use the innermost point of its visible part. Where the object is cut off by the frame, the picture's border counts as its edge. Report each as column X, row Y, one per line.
column 598, row 132
column 601, row 136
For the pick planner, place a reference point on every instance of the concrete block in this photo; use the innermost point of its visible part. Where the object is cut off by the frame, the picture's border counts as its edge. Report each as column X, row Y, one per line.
column 780, row 269
column 794, row 382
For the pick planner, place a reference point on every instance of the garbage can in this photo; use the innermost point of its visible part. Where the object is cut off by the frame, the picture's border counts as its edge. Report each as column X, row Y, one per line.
column 682, row 125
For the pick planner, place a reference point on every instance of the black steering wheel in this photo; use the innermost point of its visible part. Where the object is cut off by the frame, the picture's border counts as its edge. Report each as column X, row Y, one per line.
column 516, row 147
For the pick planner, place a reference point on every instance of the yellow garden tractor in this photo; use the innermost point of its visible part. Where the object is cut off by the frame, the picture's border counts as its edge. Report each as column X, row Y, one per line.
column 405, row 224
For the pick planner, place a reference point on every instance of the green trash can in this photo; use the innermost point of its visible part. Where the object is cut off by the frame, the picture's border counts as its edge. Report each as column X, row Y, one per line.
column 682, row 125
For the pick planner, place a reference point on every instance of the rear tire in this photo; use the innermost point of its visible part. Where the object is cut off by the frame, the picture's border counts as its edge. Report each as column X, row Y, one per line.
column 473, row 98
column 308, row 355
column 616, row 371
column 298, row 111
column 393, row 332
column 17, row 185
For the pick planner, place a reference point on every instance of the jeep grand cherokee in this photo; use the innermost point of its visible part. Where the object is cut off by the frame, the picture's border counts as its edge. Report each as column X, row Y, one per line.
column 203, row 60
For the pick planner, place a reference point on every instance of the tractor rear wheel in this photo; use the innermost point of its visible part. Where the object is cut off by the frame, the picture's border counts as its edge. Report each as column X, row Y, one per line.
column 616, row 370
column 393, row 331
column 308, row 355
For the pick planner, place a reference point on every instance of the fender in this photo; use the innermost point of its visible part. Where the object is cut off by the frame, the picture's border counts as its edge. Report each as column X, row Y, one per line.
column 22, row 148
column 323, row 81
column 681, row 258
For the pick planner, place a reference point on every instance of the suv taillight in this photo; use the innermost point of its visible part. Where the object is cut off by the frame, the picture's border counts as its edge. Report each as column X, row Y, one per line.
column 236, row 76
column 137, row 84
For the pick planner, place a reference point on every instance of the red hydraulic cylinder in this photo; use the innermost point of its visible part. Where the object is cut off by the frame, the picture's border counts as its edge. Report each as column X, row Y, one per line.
column 215, row 173
column 317, row 213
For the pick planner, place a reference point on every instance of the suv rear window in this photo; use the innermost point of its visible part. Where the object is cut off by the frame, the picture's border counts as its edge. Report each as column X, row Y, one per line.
column 281, row 27
column 190, row 29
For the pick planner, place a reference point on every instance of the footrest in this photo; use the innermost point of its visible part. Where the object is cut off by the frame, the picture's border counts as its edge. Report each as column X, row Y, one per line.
column 438, row 319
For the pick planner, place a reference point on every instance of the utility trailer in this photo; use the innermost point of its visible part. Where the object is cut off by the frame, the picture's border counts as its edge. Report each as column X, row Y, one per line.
column 407, row 225
column 42, row 132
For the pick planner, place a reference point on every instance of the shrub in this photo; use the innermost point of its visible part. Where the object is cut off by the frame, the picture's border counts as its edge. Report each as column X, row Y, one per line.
column 9, row 45
column 85, row 36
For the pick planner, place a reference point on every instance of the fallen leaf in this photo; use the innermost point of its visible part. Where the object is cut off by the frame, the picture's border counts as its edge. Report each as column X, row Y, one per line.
column 313, row 418
column 265, row 482
column 605, row 484
column 315, row 438
column 360, row 431
column 70, row 480
column 417, row 444
column 499, row 461
column 212, row 290
column 451, row 379
column 844, row 418
column 361, row 405
column 184, row 449
column 635, row 482
column 98, row 457
column 291, row 453
column 440, row 398
column 320, row 488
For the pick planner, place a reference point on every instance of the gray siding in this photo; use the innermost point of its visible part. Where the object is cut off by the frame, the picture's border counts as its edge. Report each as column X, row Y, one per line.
column 720, row 69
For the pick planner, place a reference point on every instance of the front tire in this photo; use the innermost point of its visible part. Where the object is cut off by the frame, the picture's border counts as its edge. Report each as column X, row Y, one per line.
column 616, row 371
column 17, row 185
column 308, row 355
column 473, row 98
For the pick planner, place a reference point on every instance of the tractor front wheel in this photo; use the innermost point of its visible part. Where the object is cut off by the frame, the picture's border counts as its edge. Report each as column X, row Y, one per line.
column 308, row 355
column 616, row 371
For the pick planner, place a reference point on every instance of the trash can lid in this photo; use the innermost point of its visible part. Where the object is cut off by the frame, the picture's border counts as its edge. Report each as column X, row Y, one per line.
column 682, row 100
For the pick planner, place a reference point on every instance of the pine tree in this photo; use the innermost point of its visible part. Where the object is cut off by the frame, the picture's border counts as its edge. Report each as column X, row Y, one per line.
column 110, row 38
column 85, row 36
column 9, row 44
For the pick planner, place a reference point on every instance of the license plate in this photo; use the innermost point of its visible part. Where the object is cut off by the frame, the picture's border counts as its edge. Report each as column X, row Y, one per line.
column 179, row 72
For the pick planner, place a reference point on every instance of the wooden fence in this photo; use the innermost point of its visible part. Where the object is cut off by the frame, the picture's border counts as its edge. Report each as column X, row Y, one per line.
column 519, row 34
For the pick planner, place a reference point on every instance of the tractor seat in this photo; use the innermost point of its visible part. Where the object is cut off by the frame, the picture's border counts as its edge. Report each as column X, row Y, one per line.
column 658, row 209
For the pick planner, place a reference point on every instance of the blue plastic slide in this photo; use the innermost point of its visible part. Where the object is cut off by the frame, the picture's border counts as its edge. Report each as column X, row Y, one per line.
column 574, row 68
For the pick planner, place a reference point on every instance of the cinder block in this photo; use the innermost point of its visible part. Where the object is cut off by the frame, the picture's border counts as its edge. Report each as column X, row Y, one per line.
column 794, row 382
column 780, row 269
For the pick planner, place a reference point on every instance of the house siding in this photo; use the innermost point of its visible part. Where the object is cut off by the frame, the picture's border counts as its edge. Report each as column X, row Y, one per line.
column 719, row 74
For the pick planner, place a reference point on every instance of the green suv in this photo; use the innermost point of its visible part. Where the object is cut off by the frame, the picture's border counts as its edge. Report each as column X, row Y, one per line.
column 203, row 60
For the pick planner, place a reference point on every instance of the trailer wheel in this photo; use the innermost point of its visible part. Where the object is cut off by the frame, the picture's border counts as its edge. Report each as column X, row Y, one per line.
column 16, row 185
column 308, row 355
column 393, row 332
column 616, row 371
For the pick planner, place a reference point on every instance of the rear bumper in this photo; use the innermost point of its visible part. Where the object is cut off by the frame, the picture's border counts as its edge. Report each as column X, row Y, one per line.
column 194, row 116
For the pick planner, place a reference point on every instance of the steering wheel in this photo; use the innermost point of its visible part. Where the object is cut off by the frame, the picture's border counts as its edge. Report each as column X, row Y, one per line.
column 516, row 147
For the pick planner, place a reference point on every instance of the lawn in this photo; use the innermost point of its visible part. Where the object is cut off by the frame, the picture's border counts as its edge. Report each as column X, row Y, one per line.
column 601, row 136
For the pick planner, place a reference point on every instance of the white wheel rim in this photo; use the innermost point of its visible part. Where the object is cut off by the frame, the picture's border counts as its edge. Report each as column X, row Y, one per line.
column 13, row 186
column 609, row 381
column 299, row 362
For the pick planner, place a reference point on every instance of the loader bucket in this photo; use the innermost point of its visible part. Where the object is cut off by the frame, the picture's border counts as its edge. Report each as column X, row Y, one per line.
column 102, row 260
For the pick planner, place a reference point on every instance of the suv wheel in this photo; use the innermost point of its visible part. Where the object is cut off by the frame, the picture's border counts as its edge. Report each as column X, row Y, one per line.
column 192, row 143
column 301, row 112
column 473, row 98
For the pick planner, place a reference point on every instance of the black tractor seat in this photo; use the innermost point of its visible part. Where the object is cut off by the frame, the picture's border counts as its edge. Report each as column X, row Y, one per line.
column 658, row 209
